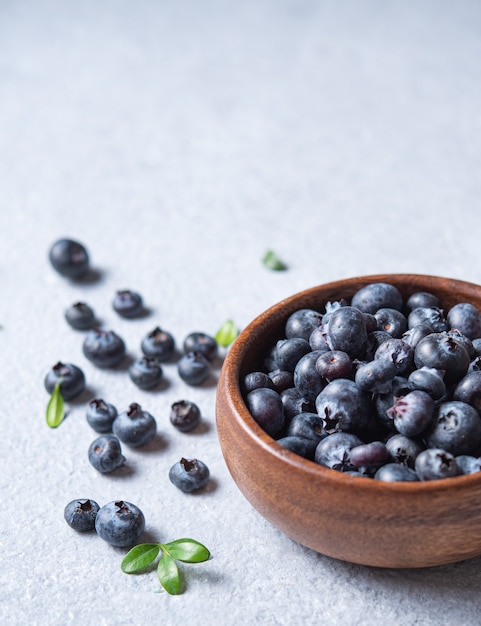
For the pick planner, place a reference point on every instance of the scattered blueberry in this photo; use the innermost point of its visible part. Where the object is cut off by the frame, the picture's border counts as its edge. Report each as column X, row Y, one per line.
column 189, row 475
column 185, row 415
column 104, row 348
column 80, row 316
column 159, row 344
column 193, row 368
column 128, row 304
column 69, row 258
column 201, row 343
column 145, row 372
column 100, row 415
column 105, row 454
column 71, row 377
column 80, row 514
column 120, row 523
column 135, row 427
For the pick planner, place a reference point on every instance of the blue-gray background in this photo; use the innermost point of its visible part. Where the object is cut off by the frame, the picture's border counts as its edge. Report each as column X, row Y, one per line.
column 179, row 141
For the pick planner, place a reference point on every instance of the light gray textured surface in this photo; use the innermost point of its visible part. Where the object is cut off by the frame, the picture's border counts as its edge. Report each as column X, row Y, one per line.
column 179, row 141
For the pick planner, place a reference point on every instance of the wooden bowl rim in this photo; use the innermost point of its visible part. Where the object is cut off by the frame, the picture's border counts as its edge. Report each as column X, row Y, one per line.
column 230, row 389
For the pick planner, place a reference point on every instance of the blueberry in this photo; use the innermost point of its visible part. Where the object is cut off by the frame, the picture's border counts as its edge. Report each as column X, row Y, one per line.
column 307, row 426
column 294, row 402
column 397, row 351
column 104, row 348
column 430, row 380
column 468, row 464
column 266, row 407
column 128, row 304
column 334, row 364
column 281, row 379
column 334, row 451
column 343, row 406
column 105, row 454
column 298, row 445
column 289, row 351
column 185, row 415
column 422, row 299
column 69, row 258
column 372, row 454
column 100, row 415
column 80, row 514
column 443, row 352
column 193, row 368
column 71, row 377
column 347, row 331
column 255, row 380
column 377, row 296
column 80, row 316
column 455, row 427
column 466, row 318
column 318, row 338
column 394, row 472
column 412, row 413
column 145, row 372
column 201, row 343
column 391, row 321
column 307, row 379
column 302, row 322
column 159, row 344
column 120, row 523
column 189, row 475
column 430, row 316
column 403, row 450
column 375, row 376
column 435, row 463
column 468, row 390
column 414, row 335
column 135, row 427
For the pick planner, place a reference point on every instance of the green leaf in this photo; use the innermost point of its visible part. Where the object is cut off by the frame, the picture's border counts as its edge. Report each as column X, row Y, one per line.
column 226, row 333
column 169, row 575
column 139, row 557
column 273, row 262
column 55, row 407
column 187, row 550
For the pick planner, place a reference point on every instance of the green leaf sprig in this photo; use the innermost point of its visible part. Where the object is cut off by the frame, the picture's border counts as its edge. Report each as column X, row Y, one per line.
column 273, row 262
column 55, row 407
column 184, row 550
column 226, row 334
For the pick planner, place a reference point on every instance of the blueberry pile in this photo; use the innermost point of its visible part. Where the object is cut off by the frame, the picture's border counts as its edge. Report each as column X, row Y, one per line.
column 377, row 387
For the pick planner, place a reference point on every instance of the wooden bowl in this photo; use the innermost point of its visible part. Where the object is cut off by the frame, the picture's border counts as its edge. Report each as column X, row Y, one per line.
column 396, row 525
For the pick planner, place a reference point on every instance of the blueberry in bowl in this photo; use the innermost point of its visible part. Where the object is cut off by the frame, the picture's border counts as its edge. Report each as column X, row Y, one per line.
column 354, row 491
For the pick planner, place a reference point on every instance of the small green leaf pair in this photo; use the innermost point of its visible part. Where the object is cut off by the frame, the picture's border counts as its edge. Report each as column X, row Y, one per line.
column 226, row 334
column 273, row 262
column 55, row 407
column 184, row 550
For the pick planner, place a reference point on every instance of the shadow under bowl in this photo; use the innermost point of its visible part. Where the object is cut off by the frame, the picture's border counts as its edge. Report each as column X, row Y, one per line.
column 360, row 520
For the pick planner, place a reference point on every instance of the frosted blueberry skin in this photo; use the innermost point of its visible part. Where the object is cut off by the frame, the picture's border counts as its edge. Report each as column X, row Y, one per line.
column 377, row 296
column 391, row 321
column 430, row 380
column 145, row 372
column 105, row 454
column 403, row 450
column 333, row 364
column 104, row 348
column 289, row 351
column 120, row 523
column 443, row 352
column 294, row 402
column 266, row 407
column 69, row 258
column 189, row 475
column 429, row 316
column 455, row 427
column 468, row 390
column 135, row 427
column 128, row 304
column 422, row 299
column 434, row 464
column 298, row 445
column 159, row 344
column 281, row 379
column 309, row 427
column 80, row 514
column 466, row 318
column 80, row 316
column 395, row 472
column 201, row 343
column 307, row 379
column 344, row 406
column 193, row 368
column 412, row 413
column 397, row 351
column 71, row 377
column 100, row 415
column 334, row 451
column 302, row 323
column 347, row 332
column 255, row 380
column 185, row 415
column 375, row 376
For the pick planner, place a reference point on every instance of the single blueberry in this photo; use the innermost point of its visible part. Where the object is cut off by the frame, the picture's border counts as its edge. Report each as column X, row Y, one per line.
column 193, row 368
column 455, row 427
column 307, row 379
column 105, row 454
column 468, row 464
column 422, row 299
column 468, row 390
column 414, row 335
column 343, row 406
column 120, row 523
column 372, row 454
column 266, row 407
column 298, row 445
column 347, row 332
column 391, row 321
column 71, row 377
column 294, row 402
column 397, row 351
column 333, row 364
column 185, row 415
column 128, row 304
column 334, row 451
column 158, row 343
column 466, row 318
column 281, row 379
column 307, row 426
column 442, row 352
column 104, row 348
column 80, row 514
column 135, row 427
column 290, row 351
column 80, row 316
column 69, row 258
column 395, row 472
column 201, row 343
column 255, row 380
column 377, row 296
column 145, row 372
column 302, row 322
column 435, row 463
column 403, row 450
column 412, row 413
column 429, row 316
column 189, row 475
column 100, row 415
column 375, row 376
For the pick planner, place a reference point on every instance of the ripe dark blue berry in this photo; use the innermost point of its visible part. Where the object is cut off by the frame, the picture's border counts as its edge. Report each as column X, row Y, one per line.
column 422, row 299
column 185, row 415
column 412, row 413
column 145, row 372
column 391, row 321
column 135, row 427
column 307, row 379
column 100, row 415
column 159, row 344
column 377, row 296
column 333, row 364
column 120, row 523
column 468, row 390
column 266, row 407
column 435, row 463
column 343, row 406
column 403, row 450
column 254, row 380
column 302, row 322
column 105, row 454
column 298, row 445
column 428, row 316
column 466, row 318
column 289, row 351
column 307, row 426
column 201, row 343
column 104, row 348
column 347, row 332
column 334, row 451
column 189, row 475
column 69, row 258
column 443, row 352
column 80, row 514
column 395, row 472
column 193, row 368
column 71, row 377
column 80, row 316
column 128, row 304
column 455, row 427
